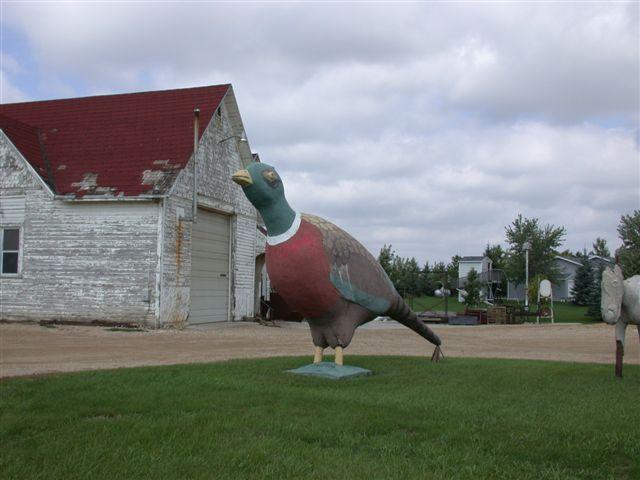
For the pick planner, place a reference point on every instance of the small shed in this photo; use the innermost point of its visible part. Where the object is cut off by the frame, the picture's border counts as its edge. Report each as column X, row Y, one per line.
column 102, row 220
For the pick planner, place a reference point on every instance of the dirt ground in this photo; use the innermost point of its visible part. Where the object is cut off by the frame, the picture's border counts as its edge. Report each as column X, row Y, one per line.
column 27, row 349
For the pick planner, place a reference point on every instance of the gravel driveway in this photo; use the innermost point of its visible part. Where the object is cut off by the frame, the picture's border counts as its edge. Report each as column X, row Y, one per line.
column 27, row 349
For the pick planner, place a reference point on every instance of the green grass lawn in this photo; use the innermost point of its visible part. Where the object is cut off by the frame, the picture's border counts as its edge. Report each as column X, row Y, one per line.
column 435, row 304
column 564, row 312
column 463, row 419
column 570, row 313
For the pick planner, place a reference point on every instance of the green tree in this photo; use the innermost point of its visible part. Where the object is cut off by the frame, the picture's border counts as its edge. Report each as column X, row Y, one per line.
column 498, row 260
column 385, row 258
column 600, row 248
column 628, row 255
column 472, row 287
column 581, row 254
column 453, row 266
column 544, row 242
column 399, row 277
column 405, row 273
column 567, row 253
column 496, row 254
column 582, row 290
column 438, row 275
column 596, row 296
column 439, row 267
column 412, row 276
column 426, row 281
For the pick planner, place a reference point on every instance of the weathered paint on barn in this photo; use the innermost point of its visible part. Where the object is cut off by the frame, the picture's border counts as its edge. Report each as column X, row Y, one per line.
column 262, row 284
column 218, row 158
column 80, row 261
column 16, row 177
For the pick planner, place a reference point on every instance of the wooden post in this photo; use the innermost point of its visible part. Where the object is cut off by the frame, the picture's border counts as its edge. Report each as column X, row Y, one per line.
column 619, row 357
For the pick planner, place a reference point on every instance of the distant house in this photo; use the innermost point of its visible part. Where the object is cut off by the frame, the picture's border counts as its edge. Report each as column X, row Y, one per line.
column 600, row 263
column 568, row 268
column 96, row 216
column 482, row 265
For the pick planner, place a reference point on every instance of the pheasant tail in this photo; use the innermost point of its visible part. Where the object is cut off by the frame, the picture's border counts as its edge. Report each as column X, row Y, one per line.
column 402, row 313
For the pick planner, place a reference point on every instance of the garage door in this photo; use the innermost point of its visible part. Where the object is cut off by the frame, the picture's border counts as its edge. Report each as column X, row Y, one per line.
column 210, row 268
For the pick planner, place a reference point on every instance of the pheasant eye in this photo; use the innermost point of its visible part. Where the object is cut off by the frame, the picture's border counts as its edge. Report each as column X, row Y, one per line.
column 271, row 176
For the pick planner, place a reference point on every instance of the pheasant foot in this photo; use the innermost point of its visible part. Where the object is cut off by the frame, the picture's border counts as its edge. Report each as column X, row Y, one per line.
column 437, row 355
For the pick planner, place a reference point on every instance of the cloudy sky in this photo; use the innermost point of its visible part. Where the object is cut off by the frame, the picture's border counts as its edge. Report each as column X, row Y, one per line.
column 427, row 126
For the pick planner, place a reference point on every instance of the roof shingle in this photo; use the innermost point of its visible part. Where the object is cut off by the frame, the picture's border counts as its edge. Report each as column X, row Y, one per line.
column 110, row 143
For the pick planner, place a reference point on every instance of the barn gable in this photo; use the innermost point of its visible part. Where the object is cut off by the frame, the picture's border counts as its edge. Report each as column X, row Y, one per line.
column 16, row 173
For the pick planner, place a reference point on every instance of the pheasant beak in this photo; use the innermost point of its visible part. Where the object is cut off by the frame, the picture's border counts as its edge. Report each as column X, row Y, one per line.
column 242, row 178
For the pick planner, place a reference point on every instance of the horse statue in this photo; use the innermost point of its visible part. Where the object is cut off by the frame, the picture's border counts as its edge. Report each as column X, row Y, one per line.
column 620, row 306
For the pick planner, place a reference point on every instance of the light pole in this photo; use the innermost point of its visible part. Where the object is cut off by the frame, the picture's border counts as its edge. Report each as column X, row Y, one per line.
column 526, row 246
column 239, row 138
column 194, row 185
column 444, row 292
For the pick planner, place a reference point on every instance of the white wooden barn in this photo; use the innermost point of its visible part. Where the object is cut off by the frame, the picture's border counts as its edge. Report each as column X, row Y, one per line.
column 96, row 210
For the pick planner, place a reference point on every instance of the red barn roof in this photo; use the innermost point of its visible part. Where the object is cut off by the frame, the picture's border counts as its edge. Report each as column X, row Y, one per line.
column 110, row 143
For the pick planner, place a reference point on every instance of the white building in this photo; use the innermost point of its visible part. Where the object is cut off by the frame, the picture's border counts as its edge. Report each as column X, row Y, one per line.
column 567, row 268
column 96, row 214
column 480, row 264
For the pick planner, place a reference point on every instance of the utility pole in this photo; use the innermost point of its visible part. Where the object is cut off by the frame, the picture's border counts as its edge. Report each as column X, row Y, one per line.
column 445, row 291
column 194, row 184
column 527, row 246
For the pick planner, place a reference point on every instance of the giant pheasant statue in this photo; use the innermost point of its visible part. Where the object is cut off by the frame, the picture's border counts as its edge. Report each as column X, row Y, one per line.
column 321, row 271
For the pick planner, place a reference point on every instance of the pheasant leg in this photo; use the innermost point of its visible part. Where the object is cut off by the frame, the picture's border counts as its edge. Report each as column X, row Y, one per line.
column 317, row 357
column 339, row 356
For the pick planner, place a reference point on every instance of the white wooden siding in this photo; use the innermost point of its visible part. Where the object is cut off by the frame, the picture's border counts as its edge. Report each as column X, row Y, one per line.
column 245, row 266
column 175, row 276
column 84, row 262
column 79, row 262
column 12, row 209
column 216, row 163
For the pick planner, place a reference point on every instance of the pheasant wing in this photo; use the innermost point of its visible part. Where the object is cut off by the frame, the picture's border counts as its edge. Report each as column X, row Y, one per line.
column 355, row 273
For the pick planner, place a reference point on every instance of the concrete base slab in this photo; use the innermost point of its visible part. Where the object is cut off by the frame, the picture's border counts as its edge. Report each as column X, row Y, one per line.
column 331, row 370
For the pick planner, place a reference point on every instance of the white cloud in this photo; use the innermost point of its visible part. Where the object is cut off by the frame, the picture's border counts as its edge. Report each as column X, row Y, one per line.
column 560, row 61
column 429, row 126
column 8, row 91
column 436, row 196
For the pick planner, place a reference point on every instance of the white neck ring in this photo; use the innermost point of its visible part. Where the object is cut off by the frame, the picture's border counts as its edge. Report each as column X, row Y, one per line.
column 283, row 237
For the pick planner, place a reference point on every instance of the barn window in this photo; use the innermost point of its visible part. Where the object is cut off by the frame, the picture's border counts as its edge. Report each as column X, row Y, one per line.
column 10, row 243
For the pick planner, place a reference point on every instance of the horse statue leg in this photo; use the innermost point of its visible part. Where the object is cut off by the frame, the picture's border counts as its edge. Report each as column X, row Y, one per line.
column 621, row 328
